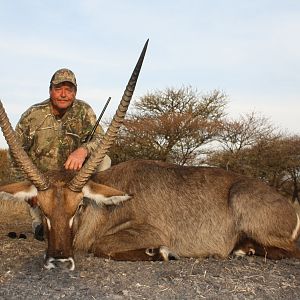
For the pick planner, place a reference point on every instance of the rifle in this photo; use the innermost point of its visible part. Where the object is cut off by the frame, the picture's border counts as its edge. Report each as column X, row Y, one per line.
column 91, row 134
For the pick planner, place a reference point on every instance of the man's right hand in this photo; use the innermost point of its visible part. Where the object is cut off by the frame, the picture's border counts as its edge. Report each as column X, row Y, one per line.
column 76, row 159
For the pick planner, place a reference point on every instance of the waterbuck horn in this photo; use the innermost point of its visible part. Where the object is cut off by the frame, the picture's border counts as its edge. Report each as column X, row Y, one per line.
column 77, row 183
column 19, row 155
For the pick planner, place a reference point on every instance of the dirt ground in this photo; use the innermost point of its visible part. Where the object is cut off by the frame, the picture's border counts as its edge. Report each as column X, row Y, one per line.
column 22, row 275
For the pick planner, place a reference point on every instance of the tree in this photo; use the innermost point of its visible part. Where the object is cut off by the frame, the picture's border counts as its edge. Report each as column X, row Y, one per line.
column 289, row 156
column 6, row 174
column 236, row 136
column 275, row 160
column 170, row 125
column 249, row 129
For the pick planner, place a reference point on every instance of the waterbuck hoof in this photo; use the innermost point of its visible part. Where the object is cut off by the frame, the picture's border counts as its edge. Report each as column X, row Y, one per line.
column 39, row 232
column 12, row 235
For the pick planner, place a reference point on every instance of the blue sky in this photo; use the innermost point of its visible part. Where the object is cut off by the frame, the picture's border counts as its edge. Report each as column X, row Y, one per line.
column 249, row 49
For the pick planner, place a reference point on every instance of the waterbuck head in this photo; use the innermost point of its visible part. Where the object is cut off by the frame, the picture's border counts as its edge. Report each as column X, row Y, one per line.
column 60, row 194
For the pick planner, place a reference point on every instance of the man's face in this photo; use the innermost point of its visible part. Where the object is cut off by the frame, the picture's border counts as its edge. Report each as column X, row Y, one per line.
column 62, row 96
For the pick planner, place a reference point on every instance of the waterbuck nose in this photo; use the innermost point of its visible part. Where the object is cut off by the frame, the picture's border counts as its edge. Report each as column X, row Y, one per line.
column 52, row 263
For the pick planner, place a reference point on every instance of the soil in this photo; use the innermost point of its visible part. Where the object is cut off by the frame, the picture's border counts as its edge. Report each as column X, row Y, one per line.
column 22, row 275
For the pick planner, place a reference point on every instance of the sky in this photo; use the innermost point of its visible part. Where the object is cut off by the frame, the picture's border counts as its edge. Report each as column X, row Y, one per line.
column 248, row 49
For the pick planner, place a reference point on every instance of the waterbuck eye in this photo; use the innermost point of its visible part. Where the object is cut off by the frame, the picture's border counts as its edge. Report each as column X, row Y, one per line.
column 81, row 207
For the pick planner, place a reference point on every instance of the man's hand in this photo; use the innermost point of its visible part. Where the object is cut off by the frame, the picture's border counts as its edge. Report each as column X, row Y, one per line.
column 76, row 159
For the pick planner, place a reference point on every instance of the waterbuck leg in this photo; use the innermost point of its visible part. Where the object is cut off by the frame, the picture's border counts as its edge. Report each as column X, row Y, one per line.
column 250, row 247
column 141, row 242
column 277, row 253
column 146, row 254
column 244, row 247
column 266, row 219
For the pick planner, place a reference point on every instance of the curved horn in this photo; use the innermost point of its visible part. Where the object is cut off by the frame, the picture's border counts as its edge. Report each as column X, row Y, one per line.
column 77, row 183
column 19, row 155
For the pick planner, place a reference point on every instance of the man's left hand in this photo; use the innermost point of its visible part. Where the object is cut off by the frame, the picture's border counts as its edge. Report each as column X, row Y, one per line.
column 76, row 159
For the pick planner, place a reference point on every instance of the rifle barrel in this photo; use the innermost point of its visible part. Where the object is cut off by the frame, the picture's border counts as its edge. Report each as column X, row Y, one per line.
column 90, row 136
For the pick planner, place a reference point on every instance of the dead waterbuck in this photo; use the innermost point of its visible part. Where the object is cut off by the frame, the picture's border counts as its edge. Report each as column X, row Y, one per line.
column 150, row 210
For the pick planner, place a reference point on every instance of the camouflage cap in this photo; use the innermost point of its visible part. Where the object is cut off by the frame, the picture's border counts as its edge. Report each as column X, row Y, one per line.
column 63, row 75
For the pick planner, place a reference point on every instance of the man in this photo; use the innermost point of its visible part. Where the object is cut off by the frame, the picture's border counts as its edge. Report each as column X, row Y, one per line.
column 53, row 132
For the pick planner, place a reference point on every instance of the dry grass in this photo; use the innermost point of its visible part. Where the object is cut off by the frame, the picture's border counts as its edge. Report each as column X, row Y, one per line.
column 13, row 211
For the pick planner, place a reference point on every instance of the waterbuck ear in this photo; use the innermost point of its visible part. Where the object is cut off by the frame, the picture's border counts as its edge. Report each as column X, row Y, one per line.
column 19, row 191
column 103, row 194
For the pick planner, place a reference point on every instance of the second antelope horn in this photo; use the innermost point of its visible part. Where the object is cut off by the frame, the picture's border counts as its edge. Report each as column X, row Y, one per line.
column 19, row 155
column 78, row 182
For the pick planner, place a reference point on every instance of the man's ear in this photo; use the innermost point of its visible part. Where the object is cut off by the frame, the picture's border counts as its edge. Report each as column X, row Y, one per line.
column 103, row 194
column 21, row 190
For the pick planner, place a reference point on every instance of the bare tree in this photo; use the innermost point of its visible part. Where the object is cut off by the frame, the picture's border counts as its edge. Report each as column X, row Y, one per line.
column 246, row 131
column 236, row 136
column 171, row 125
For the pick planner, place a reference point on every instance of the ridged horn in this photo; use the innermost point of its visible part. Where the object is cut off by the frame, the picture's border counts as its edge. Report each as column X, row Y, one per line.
column 78, row 182
column 19, row 155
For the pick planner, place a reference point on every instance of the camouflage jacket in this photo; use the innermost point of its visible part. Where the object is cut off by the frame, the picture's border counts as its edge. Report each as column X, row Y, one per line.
column 49, row 140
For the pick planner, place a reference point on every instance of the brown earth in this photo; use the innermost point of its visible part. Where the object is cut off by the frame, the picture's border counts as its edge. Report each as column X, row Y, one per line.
column 22, row 275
